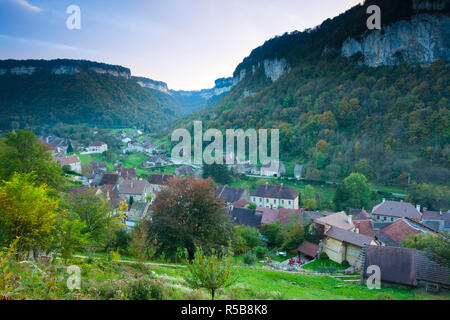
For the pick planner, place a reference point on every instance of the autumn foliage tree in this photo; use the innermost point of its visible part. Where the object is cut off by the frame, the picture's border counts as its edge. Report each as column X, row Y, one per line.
column 188, row 214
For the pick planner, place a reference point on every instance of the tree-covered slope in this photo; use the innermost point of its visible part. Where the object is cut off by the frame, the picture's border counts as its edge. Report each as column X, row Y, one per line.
column 337, row 115
column 36, row 92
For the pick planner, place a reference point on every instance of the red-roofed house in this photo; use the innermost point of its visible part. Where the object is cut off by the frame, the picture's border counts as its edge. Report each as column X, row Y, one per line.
column 72, row 161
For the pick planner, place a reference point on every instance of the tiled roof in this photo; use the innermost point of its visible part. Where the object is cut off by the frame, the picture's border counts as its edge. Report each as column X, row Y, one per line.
column 437, row 215
column 269, row 215
column 159, row 179
column 109, row 178
column 240, row 203
column 97, row 144
column 229, row 194
column 405, row 266
column 396, row 209
column 68, row 160
column 132, row 187
column 394, row 233
column 184, row 170
column 308, row 248
column 364, row 227
column 340, row 220
column 248, row 217
column 275, row 191
column 127, row 173
column 285, row 214
column 348, row 236
column 359, row 214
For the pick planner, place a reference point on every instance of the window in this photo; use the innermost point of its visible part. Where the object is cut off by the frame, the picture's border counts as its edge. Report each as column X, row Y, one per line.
column 267, row 200
column 282, row 201
column 275, row 201
column 384, row 218
column 289, row 202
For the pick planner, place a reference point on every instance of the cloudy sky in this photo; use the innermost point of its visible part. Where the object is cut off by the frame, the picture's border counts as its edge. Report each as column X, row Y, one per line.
column 186, row 43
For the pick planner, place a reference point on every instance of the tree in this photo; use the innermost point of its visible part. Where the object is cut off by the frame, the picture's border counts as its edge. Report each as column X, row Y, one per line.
column 354, row 192
column 24, row 153
column 274, row 233
column 97, row 214
column 250, row 236
column 295, row 236
column 429, row 196
column 69, row 235
column 142, row 247
column 69, row 148
column 187, row 214
column 218, row 172
column 28, row 212
column 436, row 247
column 211, row 272
column 252, row 206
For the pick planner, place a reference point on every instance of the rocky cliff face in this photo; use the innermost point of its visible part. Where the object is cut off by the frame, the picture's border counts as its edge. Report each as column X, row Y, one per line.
column 423, row 39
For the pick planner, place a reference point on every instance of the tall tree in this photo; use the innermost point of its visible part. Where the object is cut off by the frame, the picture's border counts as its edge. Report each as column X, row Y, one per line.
column 24, row 153
column 354, row 192
column 28, row 212
column 188, row 214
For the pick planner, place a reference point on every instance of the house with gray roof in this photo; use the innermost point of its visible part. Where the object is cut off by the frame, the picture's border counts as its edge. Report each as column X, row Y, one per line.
column 274, row 196
column 438, row 220
column 391, row 211
column 138, row 189
column 231, row 194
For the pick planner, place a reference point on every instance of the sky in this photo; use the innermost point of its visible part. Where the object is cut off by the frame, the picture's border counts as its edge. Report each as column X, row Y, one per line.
column 185, row 43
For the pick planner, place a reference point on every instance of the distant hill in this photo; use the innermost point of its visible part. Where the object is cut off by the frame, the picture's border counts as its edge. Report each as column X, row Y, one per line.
column 35, row 92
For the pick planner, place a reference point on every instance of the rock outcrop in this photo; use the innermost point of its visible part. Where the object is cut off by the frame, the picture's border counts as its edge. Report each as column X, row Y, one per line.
column 423, row 39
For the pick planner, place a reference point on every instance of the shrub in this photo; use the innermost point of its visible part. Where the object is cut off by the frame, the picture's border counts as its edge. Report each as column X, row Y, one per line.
column 249, row 258
column 324, row 256
column 260, row 252
column 157, row 291
column 139, row 290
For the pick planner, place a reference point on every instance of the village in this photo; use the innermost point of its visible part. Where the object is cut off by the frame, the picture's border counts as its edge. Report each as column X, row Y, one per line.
column 354, row 238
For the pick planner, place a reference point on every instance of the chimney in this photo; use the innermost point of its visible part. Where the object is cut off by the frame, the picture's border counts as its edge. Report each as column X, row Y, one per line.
column 440, row 212
column 131, row 184
column 281, row 186
column 349, row 218
column 384, row 200
column 418, row 207
column 267, row 184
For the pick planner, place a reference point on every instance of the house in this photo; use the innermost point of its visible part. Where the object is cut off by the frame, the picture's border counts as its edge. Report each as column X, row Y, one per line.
column 269, row 215
column 407, row 267
column 288, row 215
column 393, row 234
column 308, row 250
column 437, row 220
column 364, row 227
column 359, row 214
column 339, row 220
column 231, row 194
column 272, row 169
column 299, row 170
column 391, row 211
column 72, row 161
column 246, row 168
column 274, row 196
column 344, row 245
column 111, row 195
column 127, row 173
column 111, row 179
column 59, row 145
column 138, row 189
column 184, row 171
column 158, row 182
column 247, row 217
column 241, row 203
column 96, row 147
column 99, row 165
column 158, row 161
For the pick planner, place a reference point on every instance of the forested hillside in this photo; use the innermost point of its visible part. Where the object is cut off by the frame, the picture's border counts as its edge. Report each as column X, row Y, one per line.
column 36, row 92
column 337, row 115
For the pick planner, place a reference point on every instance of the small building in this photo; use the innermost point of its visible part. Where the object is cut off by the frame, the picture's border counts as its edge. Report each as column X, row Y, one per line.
column 231, row 194
column 241, row 203
column 438, row 220
column 96, row 147
column 344, row 245
column 127, row 173
column 111, row 179
column 339, row 220
column 308, row 250
column 274, row 196
column 138, row 189
column 136, row 213
column 247, row 217
column 272, row 169
column 184, row 171
column 72, row 161
column 391, row 211
column 269, row 215
column 406, row 267
column 158, row 182
column 393, row 234
column 158, row 161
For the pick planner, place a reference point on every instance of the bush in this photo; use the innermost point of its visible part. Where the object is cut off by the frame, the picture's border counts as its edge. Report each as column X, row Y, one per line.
column 260, row 252
column 157, row 291
column 139, row 290
column 249, row 258
column 324, row 256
